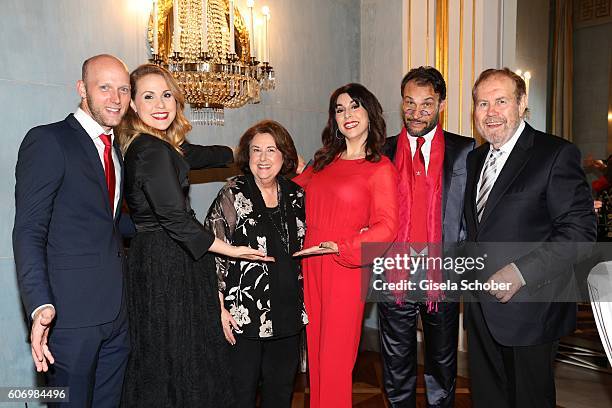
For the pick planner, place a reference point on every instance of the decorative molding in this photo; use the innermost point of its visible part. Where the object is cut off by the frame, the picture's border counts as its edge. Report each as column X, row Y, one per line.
column 427, row 37
column 460, row 38
column 472, row 74
column 409, row 35
column 589, row 13
column 460, row 94
column 441, row 50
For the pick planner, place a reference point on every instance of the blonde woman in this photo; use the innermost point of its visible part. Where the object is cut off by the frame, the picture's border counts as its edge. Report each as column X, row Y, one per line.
column 178, row 349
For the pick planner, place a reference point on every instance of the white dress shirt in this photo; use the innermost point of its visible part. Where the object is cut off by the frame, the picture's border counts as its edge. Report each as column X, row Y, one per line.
column 426, row 148
column 505, row 150
column 94, row 130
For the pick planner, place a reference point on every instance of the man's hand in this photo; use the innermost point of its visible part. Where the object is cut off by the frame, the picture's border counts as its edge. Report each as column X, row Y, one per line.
column 589, row 162
column 597, row 204
column 508, row 276
column 38, row 338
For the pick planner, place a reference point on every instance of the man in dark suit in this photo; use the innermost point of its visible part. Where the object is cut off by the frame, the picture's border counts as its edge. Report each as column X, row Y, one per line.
column 66, row 241
column 424, row 155
column 525, row 189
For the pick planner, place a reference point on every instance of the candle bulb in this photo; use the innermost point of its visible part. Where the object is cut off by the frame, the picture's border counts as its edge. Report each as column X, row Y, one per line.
column 267, row 38
column 527, row 76
column 266, row 51
column 176, row 36
column 204, row 45
column 232, row 48
column 155, row 39
column 250, row 4
column 260, row 40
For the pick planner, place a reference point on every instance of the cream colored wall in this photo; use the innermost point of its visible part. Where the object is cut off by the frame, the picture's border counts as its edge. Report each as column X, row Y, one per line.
column 397, row 35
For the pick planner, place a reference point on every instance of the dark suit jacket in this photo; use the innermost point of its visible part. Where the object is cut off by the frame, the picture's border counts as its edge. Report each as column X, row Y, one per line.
column 456, row 149
column 541, row 195
column 66, row 242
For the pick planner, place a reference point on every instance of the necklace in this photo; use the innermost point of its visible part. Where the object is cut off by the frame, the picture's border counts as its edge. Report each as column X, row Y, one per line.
column 282, row 229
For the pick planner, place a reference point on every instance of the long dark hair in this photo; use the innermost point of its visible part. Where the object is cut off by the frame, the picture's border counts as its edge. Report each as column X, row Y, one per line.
column 333, row 146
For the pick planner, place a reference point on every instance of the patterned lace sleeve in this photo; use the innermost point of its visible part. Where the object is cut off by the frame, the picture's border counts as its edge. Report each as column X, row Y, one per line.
column 221, row 221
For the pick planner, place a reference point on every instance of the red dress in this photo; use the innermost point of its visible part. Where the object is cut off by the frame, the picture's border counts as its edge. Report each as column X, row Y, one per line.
column 341, row 200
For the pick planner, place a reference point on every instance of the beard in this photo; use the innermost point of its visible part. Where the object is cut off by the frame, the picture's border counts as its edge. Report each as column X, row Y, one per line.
column 99, row 115
column 429, row 125
column 497, row 137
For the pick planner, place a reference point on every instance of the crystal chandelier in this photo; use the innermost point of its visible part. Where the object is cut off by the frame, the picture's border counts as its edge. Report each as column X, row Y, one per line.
column 211, row 52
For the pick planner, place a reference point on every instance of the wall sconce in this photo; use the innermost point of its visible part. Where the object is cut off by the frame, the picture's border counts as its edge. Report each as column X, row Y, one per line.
column 212, row 53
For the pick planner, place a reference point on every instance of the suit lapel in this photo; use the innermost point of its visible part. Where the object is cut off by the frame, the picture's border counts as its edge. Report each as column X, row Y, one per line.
column 120, row 157
column 92, row 158
column 447, row 174
column 390, row 147
column 516, row 161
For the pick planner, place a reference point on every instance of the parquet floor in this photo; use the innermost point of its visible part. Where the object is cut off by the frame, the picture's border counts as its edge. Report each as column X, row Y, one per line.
column 367, row 386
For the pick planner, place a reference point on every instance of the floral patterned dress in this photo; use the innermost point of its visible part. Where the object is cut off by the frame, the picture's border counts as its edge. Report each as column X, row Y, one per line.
column 265, row 299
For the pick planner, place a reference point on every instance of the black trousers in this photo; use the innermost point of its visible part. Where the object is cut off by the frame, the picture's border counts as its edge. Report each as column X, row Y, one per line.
column 398, row 328
column 272, row 363
column 508, row 376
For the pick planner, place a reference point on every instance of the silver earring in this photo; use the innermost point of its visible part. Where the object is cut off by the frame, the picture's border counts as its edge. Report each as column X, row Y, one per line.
column 368, row 127
column 339, row 137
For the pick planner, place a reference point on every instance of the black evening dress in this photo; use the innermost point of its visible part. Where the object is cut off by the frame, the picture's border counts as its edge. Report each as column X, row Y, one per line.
column 179, row 353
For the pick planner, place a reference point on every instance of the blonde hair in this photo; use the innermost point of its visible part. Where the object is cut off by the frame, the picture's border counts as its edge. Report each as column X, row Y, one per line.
column 132, row 126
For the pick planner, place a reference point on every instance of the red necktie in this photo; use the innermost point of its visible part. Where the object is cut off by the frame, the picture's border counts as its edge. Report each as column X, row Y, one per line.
column 418, row 212
column 109, row 168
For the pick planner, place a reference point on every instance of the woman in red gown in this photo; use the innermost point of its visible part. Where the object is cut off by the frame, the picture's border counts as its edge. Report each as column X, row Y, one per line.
column 351, row 198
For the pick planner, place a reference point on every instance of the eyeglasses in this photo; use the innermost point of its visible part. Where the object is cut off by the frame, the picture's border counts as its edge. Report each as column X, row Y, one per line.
column 422, row 112
column 424, row 109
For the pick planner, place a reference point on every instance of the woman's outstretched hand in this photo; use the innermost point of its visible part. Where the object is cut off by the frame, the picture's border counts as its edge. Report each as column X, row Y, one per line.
column 244, row 252
column 324, row 248
column 241, row 252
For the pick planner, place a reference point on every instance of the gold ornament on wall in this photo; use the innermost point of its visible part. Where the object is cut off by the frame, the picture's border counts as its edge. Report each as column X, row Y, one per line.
column 214, row 59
